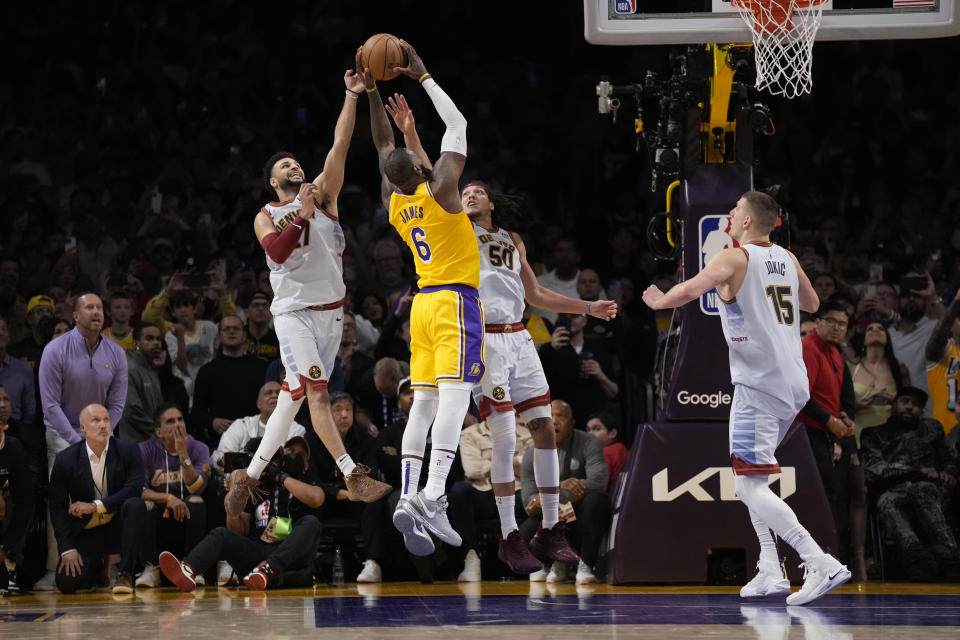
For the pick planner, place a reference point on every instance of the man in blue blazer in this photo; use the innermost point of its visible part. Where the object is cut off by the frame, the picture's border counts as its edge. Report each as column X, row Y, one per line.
column 95, row 504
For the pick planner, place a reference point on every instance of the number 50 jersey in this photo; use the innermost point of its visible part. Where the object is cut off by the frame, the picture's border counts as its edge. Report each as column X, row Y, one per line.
column 501, row 288
column 762, row 328
column 444, row 249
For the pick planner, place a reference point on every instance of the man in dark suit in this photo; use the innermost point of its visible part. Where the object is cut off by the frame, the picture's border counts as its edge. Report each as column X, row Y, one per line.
column 95, row 504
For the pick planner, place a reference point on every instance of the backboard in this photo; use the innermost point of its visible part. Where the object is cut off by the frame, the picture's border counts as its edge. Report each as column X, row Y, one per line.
column 633, row 22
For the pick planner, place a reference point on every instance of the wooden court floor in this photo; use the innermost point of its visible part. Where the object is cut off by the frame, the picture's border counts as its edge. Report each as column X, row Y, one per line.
column 484, row 610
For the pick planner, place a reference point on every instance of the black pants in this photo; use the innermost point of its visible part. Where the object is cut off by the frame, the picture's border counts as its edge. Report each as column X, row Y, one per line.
column 124, row 532
column 467, row 505
column 14, row 526
column 835, row 479
column 373, row 517
column 586, row 532
column 168, row 534
column 296, row 551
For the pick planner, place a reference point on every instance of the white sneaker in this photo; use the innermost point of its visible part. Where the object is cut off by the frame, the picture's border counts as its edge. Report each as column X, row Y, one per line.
column 819, row 576
column 584, row 574
column 225, row 575
column 149, row 578
column 432, row 515
column 407, row 522
column 559, row 572
column 769, row 581
column 200, row 580
column 541, row 575
column 47, row 583
column 471, row 568
column 370, row 573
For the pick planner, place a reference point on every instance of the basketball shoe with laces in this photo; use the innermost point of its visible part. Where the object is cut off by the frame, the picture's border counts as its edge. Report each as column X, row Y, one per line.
column 515, row 553
column 415, row 537
column 432, row 516
column 769, row 581
column 239, row 488
column 362, row 488
column 820, row 575
column 550, row 545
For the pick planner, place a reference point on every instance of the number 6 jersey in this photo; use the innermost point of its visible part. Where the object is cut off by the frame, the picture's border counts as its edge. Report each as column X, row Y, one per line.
column 762, row 328
column 501, row 288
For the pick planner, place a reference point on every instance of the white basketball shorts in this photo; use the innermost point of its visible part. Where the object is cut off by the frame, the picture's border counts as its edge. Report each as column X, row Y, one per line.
column 755, row 433
column 514, row 380
column 309, row 341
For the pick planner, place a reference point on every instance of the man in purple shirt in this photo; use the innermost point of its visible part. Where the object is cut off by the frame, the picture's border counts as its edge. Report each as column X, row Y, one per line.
column 79, row 368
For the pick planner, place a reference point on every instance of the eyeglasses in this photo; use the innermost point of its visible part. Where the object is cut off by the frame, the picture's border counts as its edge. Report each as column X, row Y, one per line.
column 836, row 324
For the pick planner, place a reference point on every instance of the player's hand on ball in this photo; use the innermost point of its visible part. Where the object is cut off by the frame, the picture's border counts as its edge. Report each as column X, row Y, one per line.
column 307, row 192
column 603, row 309
column 415, row 67
column 363, row 73
column 353, row 81
column 652, row 295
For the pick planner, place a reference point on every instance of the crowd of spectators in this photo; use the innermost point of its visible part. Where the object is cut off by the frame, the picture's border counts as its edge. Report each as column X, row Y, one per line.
column 129, row 173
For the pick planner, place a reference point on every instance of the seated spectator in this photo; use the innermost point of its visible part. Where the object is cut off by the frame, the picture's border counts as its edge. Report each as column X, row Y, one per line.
column 95, row 505
column 377, row 402
column 177, row 471
column 574, row 372
column 374, row 517
column 277, row 538
column 17, row 377
column 16, row 499
column 584, row 504
column 242, row 430
column 919, row 309
column 910, row 470
column 604, row 428
column 226, row 387
column 472, row 499
column 262, row 340
column 120, row 310
column 145, row 390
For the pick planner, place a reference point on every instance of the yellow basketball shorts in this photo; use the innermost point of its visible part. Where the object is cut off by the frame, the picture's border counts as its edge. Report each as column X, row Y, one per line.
column 446, row 336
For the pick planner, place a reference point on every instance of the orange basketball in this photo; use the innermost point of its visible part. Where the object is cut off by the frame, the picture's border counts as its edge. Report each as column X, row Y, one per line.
column 380, row 54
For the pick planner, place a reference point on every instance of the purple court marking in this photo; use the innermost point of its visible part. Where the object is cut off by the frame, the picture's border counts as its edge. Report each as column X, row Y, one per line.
column 29, row 617
column 841, row 610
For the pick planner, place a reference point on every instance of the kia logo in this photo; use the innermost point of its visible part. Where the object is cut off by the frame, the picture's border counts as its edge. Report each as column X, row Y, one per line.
column 714, row 400
column 662, row 491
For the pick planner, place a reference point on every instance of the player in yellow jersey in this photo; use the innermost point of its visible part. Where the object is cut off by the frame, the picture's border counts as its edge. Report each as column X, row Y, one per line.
column 446, row 319
column 943, row 365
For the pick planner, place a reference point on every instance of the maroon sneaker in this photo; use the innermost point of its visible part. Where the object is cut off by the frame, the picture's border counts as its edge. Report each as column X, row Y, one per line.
column 179, row 573
column 550, row 545
column 259, row 578
column 514, row 552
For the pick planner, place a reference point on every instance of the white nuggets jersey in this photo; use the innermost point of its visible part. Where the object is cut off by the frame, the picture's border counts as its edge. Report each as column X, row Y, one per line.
column 313, row 274
column 501, row 288
column 762, row 328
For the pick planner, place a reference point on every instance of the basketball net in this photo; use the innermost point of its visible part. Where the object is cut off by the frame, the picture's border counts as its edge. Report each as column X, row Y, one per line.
column 783, row 33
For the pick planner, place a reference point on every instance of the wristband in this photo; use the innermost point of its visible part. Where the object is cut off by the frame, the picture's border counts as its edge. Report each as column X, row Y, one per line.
column 588, row 306
column 169, row 498
column 373, row 88
column 423, row 77
column 352, row 94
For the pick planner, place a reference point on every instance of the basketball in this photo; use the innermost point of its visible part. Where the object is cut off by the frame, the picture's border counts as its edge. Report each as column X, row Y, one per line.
column 380, row 54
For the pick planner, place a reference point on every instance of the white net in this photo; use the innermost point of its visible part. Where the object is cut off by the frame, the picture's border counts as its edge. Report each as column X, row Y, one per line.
column 783, row 34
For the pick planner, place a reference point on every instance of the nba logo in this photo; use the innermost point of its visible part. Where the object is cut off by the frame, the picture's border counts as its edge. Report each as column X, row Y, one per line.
column 713, row 238
column 623, row 7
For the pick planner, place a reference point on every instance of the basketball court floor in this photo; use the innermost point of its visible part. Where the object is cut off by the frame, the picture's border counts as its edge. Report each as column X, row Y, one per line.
column 485, row 610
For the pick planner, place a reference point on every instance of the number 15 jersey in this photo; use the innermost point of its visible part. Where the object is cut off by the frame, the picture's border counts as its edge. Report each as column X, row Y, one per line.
column 762, row 328
column 443, row 244
column 501, row 288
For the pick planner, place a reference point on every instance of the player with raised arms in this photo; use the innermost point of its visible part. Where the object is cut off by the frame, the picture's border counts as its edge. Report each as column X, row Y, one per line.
column 763, row 289
column 446, row 318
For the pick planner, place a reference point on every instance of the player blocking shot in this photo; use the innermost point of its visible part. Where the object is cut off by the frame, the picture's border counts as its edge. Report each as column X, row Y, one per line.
column 446, row 318
column 303, row 240
column 763, row 288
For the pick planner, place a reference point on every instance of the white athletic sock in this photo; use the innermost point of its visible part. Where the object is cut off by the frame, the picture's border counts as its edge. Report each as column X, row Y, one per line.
column 346, row 464
column 768, row 543
column 546, row 473
column 422, row 413
column 275, row 433
column 777, row 514
column 506, row 508
column 454, row 400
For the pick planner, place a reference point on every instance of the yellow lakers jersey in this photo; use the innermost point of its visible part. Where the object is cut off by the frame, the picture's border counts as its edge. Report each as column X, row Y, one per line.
column 943, row 379
column 444, row 246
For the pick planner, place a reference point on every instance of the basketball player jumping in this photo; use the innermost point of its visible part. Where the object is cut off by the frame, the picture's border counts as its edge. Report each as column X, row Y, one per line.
column 446, row 318
column 763, row 289
column 514, row 379
column 306, row 271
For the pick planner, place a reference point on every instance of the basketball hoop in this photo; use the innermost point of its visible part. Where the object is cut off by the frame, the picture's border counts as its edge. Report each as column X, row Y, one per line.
column 783, row 33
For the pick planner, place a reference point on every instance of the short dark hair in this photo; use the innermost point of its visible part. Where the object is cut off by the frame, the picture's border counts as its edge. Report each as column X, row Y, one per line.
column 607, row 420
column 340, row 396
column 162, row 409
column 183, row 297
column 832, row 305
column 272, row 160
column 763, row 208
column 138, row 330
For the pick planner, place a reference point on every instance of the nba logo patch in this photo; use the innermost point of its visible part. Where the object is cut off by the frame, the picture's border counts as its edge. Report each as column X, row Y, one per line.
column 713, row 239
column 623, row 7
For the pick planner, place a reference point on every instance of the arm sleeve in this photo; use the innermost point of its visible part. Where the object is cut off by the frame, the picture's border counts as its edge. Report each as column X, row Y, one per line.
column 279, row 246
column 455, row 137
column 51, row 393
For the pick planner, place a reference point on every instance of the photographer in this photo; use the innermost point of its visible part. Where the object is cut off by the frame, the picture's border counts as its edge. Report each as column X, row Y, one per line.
column 279, row 534
column 575, row 373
